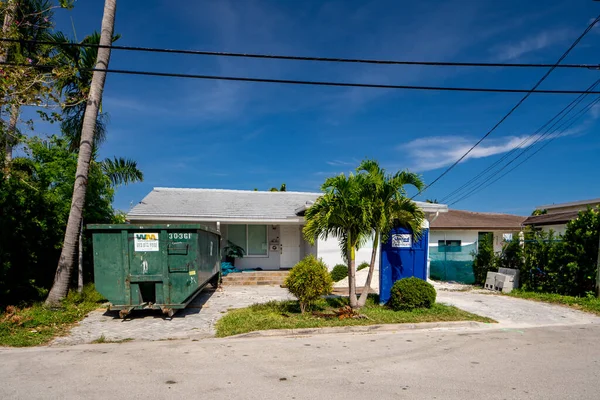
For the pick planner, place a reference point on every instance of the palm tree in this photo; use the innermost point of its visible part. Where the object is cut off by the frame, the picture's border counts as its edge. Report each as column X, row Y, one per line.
column 389, row 207
column 75, row 87
column 344, row 213
column 60, row 286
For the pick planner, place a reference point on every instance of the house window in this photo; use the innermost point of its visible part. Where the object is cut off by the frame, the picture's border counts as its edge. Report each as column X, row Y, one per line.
column 252, row 238
column 449, row 246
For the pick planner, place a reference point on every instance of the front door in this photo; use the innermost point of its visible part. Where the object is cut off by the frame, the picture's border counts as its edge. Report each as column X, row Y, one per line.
column 290, row 245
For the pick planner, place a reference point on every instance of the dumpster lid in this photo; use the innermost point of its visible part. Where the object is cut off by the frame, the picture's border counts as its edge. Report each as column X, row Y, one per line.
column 134, row 227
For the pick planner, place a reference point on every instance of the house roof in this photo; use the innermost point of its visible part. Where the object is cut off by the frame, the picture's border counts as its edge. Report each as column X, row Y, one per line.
column 571, row 204
column 459, row 219
column 176, row 204
column 551, row 219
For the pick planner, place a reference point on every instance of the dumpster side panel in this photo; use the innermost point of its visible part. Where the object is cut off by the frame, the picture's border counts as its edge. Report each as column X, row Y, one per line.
column 182, row 260
column 109, row 270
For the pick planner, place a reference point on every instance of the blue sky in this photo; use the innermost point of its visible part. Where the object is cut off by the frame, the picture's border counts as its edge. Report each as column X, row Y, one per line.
column 212, row 134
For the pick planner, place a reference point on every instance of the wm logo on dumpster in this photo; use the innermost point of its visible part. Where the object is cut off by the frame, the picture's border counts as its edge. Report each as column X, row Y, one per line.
column 146, row 236
column 145, row 242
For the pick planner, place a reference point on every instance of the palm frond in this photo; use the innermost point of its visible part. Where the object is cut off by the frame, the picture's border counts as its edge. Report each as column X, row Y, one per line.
column 121, row 171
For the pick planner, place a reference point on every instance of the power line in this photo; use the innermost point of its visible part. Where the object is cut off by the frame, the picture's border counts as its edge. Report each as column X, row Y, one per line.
column 302, row 58
column 575, row 43
column 572, row 121
column 315, row 83
column 559, row 116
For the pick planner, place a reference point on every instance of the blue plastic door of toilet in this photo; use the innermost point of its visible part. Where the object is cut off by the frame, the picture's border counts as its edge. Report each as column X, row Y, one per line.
column 402, row 257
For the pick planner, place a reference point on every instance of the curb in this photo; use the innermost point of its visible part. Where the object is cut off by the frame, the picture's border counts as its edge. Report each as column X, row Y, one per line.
column 361, row 329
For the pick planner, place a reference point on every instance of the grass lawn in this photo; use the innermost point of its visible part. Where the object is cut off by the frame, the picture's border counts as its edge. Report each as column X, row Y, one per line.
column 286, row 315
column 36, row 325
column 588, row 304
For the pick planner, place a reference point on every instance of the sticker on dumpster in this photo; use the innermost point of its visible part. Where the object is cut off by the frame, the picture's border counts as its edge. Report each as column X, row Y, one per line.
column 145, row 242
column 402, row 240
column 192, row 272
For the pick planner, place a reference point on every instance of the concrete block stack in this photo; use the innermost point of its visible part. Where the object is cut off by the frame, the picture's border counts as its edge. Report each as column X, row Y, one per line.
column 505, row 280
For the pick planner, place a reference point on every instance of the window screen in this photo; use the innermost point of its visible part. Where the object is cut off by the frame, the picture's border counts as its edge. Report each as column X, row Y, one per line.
column 257, row 240
column 236, row 234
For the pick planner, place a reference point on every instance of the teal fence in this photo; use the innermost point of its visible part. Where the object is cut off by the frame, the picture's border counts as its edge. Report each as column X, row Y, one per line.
column 452, row 263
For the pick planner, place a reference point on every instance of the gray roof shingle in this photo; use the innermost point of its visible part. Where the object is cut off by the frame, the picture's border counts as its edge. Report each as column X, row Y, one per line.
column 220, row 203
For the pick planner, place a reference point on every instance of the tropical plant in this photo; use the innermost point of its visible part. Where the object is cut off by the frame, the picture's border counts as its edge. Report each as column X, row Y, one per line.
column 233, row 251
column 344, row 213
column 388, row 207
column 410, row 293
column 65, row 265
column 308, row 281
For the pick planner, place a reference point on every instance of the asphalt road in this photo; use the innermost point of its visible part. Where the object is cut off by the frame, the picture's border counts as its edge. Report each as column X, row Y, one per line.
column 558, row 362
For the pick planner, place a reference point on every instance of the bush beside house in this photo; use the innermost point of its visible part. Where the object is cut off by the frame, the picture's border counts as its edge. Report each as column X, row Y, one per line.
column 339, row 272
column 308, row 281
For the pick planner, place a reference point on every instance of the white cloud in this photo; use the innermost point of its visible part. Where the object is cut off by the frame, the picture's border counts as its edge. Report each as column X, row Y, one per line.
column 440, row 151
column 339, row 163
column 539, row 41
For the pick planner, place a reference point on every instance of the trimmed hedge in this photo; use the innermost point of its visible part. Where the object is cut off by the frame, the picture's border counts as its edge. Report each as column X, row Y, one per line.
column 410, row 293
column 363, row 265
column 339, row 272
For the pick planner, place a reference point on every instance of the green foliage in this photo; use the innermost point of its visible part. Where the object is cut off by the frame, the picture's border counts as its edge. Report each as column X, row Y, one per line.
column 287, row 315
column 35, row 200
column 232, row 250
column 566, row 266
column 484, row 259
column 339, row 272
column 36, row 325
column 363, row 265
column 539, row 212
column 308, row 281
column 411, row 293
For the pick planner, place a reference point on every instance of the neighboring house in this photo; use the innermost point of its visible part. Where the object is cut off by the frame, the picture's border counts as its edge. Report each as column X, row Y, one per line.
column 455, row 236
column 558, row 215
column 268, row 225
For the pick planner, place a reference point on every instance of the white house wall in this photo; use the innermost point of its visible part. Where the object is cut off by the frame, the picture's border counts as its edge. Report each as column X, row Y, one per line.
column 467, row 237
column 559, row 229
column 329, row 251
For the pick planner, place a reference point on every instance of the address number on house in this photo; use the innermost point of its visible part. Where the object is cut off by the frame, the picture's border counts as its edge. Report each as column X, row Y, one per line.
column 180, row 235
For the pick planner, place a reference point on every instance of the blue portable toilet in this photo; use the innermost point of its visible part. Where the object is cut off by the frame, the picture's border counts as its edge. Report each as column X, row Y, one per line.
column 402, row 257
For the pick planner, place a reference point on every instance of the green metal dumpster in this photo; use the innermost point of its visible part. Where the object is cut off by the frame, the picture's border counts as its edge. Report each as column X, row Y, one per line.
column 161, row 266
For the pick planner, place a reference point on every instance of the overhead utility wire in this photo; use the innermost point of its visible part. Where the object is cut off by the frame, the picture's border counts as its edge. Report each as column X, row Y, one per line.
column 314, row 83
column 451, row 167
column 560, row 115
column 572, row 122
column 524, row 150
column 301, row 58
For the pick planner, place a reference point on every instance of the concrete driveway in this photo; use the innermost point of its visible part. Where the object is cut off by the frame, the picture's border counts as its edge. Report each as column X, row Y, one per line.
column 511, row 312
column 196, row 321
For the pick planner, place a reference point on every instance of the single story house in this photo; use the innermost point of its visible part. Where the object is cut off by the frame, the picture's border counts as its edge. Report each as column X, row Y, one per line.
column 556, row 216
column 455, row 236
column 267, row 225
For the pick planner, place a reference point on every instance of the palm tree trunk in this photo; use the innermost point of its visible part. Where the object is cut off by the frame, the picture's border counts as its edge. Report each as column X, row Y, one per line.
column 352, row 276
column 80, row 259
column 66, row 262
column 11, row 134
column 365, row 293
column 8, row 20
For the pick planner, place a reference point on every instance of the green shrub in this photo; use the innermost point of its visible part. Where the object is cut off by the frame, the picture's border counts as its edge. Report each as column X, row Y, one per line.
column 363, row 265
column 339, row 272
column 308, row 281
column 484, row 259
column 411, row 293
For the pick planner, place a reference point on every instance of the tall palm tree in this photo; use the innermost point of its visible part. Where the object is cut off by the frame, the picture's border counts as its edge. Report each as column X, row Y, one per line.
column 76, row 87
column 389, row 207
column 344, row 213
column 60, row 286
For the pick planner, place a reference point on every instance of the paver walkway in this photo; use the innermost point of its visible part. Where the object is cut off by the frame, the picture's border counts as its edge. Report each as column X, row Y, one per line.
column 197, row 320
column 515, row 313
